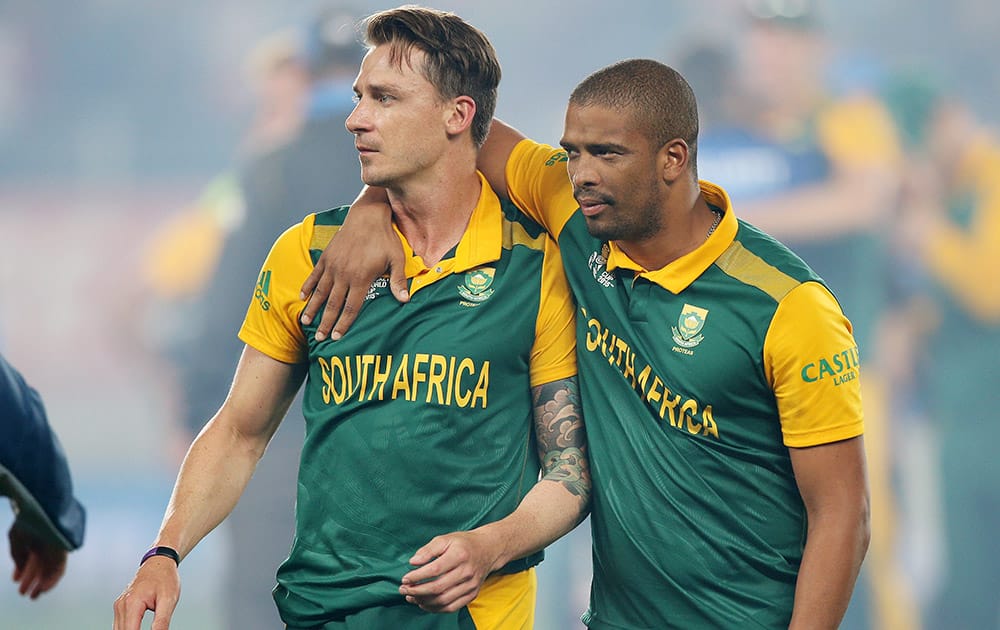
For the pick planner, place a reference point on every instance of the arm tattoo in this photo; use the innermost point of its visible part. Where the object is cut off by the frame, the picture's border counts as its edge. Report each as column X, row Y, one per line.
column 562, row 439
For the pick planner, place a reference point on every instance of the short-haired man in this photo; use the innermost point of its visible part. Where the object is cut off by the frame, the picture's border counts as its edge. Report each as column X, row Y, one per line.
column 718, row 373
column 436, row 424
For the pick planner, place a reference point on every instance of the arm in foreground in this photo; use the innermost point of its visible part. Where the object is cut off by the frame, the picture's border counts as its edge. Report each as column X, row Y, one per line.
column 366, row 246
column 452, row 567
column 212, row 477
column 833, row 482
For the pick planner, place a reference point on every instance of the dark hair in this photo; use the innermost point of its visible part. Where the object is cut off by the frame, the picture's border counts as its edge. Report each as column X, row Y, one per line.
column 461, row 61
column 656, row 96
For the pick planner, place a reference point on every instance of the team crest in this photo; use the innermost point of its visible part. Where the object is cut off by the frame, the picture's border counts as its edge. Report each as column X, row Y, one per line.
column 687, row 332
column 477, row 285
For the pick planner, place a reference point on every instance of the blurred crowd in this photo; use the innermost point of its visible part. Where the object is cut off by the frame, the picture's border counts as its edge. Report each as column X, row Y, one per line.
column 883, row 175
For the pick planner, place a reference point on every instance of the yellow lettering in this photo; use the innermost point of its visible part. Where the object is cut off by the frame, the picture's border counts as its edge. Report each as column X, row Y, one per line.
column 593, row 342
column 401, row 383
column 465, row 366
column 324, row 368
column 451, row 379
column 419, row 376
column 623, row 350
column 630, row 366
column 709, row 420
column 483, row 386
column 339, row 394
column 366, row 362
column 436, row 377
column 380, row 378
column 670, row 404
column 688, row 410
column 643, row 377
column 654, row 395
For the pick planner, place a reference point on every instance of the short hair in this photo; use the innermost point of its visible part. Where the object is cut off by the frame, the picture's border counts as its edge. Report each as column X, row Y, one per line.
column 460, row 58
column 657, row 97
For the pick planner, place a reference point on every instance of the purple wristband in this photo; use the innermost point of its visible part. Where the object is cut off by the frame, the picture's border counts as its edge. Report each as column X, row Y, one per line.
column 162, row 551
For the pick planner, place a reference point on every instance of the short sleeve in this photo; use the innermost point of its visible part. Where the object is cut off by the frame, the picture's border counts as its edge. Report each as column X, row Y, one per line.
column 553, row 355
column 812, row 362
column 272, row 321
column 537, row 183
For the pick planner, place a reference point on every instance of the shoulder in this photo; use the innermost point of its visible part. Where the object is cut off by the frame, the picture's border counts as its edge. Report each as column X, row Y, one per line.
column 759, row 260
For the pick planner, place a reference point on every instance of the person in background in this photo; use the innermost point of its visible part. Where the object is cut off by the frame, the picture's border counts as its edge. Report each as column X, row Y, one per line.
column 951, row 227
column 50, row 521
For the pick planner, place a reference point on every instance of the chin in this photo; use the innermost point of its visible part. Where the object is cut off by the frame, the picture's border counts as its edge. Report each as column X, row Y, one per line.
column 601, row 230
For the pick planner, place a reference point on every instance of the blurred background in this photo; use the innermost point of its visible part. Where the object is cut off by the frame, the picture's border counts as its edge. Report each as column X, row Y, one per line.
column 141, row 143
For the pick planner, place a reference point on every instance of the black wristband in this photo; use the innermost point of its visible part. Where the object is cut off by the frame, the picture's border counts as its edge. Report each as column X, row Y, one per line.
column 162, row 551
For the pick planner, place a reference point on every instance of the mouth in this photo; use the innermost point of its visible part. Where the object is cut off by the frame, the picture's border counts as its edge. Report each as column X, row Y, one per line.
column 364, row 150
column 592, row 206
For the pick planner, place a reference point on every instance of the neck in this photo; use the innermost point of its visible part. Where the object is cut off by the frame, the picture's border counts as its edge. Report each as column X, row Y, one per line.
column 433, row 214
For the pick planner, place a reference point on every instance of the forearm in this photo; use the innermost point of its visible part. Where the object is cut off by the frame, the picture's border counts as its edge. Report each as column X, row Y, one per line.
column 830, row 565
column 560, row 500
column 546, row 513
column 213, row 475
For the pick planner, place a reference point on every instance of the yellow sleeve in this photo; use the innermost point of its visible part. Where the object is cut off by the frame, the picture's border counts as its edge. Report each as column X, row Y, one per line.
column 537, row 183
column 272, row 321
column 859, row 132
column 553, row 356
column 966, row 260
column 811, row 361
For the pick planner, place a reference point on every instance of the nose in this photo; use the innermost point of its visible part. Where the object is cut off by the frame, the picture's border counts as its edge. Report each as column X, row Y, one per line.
column 356, row 121
column 581, row 172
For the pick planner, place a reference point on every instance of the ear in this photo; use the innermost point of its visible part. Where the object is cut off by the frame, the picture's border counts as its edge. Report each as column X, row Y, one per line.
column 459, row 114
column 673, row 157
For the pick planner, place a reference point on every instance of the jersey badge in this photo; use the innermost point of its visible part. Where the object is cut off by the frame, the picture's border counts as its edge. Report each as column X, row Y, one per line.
column 598, row 264
column 476, row 288
column 687, row 332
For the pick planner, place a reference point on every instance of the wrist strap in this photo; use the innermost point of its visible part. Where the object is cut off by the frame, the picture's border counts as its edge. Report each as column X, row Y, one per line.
column 162, row 551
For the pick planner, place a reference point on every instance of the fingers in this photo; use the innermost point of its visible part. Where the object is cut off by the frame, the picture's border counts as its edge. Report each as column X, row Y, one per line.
column 334, row 304
column 310, row 285
column 349, row 312
column 318, row 294
column 53, row 566
column 435, row 597
column 30, row 574
column 156, row 587
column 397, row 276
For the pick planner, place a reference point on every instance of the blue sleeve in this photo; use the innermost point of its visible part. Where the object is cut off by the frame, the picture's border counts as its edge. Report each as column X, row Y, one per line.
column 33, row 469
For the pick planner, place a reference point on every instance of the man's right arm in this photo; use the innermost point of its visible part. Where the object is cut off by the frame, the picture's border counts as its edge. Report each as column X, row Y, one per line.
column 367, row 247
column 212, row 477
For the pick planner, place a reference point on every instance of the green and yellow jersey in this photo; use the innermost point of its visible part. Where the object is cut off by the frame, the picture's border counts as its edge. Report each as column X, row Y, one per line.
column 696, row 380
column 420, row 421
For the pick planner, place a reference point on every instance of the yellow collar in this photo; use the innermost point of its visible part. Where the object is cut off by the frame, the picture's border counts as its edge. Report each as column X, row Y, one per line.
column 481, row 243
column 679, row 274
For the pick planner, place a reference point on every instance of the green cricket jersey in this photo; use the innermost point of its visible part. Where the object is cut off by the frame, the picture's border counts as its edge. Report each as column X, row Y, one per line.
column 695, row 380
column 419, row 422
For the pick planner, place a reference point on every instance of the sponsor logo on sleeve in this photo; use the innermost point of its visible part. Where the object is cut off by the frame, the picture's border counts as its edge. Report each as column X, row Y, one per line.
column 263, row 288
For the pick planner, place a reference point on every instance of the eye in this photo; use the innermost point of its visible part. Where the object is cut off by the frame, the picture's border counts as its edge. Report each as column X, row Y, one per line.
column 356, row 97
column 384, row 99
